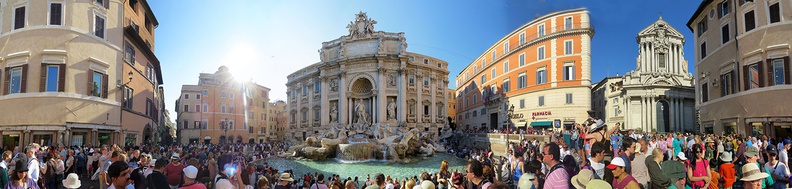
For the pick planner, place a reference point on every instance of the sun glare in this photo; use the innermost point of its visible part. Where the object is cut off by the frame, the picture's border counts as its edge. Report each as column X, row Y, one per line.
column 241, row 60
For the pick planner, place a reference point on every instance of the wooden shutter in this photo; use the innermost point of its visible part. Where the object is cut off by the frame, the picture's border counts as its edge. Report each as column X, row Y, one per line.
column 746, row 80
column 23, row 86
column 761, row 74
column 104, row 85
column 5, row 81
column 106, row 3
column 90, row 82
column 62, row 78
column 43, row 80
column 734, row 86
column 769, row 74
column 19, row 18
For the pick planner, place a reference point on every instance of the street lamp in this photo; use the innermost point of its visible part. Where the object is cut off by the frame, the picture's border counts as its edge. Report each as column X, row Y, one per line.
column 509, row 114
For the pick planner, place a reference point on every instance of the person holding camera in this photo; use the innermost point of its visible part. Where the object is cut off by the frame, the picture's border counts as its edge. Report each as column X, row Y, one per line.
column 229, row 177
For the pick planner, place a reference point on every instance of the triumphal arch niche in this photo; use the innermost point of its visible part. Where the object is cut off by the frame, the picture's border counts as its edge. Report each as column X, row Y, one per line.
column 367, row 85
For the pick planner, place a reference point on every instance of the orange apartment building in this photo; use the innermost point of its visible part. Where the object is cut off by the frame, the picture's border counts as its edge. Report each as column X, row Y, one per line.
column 541, row 72
column 221, row 110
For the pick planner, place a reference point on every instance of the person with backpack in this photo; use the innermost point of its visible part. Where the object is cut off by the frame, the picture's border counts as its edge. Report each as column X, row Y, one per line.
column 596, row 163
column 778, row 170
column 79, row 163
column 557, row 177
column 157, row 178
column 475, row 176
column 4, row 168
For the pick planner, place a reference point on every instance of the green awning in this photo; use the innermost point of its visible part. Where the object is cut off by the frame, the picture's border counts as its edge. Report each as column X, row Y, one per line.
column 541, row 123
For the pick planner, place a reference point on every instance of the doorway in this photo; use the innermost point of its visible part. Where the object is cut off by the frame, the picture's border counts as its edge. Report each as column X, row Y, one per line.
column 494, row 121
column 662, row 117
column 43, row 139
column 11, row 140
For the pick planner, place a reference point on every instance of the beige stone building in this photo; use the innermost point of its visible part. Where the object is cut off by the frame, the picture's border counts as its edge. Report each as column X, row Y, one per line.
column 64, row 74
column 607, row 100
column 278, row 118
column 364, row 79
column 451, row 106
column 742, row 66
column 220, row 109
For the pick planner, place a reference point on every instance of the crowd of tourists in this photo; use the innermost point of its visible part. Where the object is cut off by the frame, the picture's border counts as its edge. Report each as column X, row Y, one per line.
column 590, row 155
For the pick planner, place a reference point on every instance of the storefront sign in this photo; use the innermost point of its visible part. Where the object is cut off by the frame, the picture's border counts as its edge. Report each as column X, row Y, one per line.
column 517, row 116
column 545, row 113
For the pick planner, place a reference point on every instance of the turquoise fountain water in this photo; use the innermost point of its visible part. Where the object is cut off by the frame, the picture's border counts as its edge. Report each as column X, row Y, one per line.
column 361, row 169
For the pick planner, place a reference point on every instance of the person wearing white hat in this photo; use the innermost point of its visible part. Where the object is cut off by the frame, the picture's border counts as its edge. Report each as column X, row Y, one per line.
column 283, row 181
column 621, row 178
column 190, row 173
column 752, row 176
column 72, row 181
column 681, row 156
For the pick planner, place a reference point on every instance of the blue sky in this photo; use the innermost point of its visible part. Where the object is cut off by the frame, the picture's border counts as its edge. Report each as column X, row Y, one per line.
column 264, row 41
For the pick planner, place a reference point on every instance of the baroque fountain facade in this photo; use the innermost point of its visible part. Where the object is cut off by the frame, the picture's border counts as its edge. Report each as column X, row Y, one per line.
column 368, row 98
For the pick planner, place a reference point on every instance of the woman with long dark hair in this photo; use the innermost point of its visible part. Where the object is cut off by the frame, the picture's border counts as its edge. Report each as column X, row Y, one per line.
column 698, row 169
column 20, row 178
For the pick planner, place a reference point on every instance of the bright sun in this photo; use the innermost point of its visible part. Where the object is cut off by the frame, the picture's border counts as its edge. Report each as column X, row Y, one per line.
column 241, row 60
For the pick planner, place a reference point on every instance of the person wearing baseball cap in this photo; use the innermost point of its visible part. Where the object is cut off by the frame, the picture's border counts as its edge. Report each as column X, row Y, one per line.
column 778, row 170
column 621, row 178
column 190, row 173
column 783, row 156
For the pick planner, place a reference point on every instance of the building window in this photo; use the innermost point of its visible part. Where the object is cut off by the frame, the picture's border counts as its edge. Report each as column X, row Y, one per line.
column 197, row 96
column 749, row 21
column 661, row 60
column 483, row 78
column 568, row 23
column 412, row 109
column 317, row 86
column 723, row 9
column 540, row 31
column 522, row 60
column 128, row 94
column 521, row 82
column 568, row 47
column 778, row 72
column 475, row 98
column 129, row 53
column 541, row 101
column 205, row 92
column 185, row 124
column 775, row 13
column 616, row 100
column 19, row 17
column 56, row 14
column 522, row 103
column 616, row 111
column 522, row 38
column 304, row 90
column 99, row 26
column 426, row 81
column 231, row 109
column 186, row 96
column 506, row 48
column 197, row 108
column 426, row 61
column 727, row 83
column 725, row 37
column 704, row 93
column 569, row 72
column 492, row 76
column 205, row 108
column 493, row 57
column 98, row 85
column 223, row 108
column 540, row 53
column 54, row 77
column 505, row 67
column 703, row 50
column 753, row 76
column 186, row 107
column 317, row 115
column 505, row 86
column 541, row 76
column 426, row 109
column 569, row 98
column 701, row 27
column 475, row 68
column 412, row 80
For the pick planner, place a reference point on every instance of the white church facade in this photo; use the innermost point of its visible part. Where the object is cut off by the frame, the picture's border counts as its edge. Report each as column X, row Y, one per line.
column 659, row 94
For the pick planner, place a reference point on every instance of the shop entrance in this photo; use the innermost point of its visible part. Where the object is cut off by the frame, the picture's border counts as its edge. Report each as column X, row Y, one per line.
column 78, row 138
column 104, row 138
column 11, row 140
column 43, row 139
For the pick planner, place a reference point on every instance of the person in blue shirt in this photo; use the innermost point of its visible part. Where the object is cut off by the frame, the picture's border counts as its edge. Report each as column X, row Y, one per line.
column 615, row 141
column 678, row 146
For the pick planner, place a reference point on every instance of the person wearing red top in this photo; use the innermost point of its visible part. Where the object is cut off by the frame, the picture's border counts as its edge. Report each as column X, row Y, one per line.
column 174, row 171
column 727, row 171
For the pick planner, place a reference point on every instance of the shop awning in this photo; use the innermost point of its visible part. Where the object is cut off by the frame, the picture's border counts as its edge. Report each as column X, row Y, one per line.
column 521, row 124
column 541, row 123
column 207, row 138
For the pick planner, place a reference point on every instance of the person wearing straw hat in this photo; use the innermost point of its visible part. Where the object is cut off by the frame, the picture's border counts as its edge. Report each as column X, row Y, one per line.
column 583, row 177
column 621, row 178
column 752, row 176
column 751, row 156
column 284, row 181
column 72, row 181
column 726, row 170
column 598, row 184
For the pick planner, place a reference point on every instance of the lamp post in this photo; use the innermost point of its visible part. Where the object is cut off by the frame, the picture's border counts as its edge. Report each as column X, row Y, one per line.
column 509, row 114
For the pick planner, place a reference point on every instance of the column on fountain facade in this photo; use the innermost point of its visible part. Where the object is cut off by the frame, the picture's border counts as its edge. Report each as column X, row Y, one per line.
column 402, row 85
column 381, row 95
column 419, row 85
column 324, row 101
column 433, row 114
column 342, row 98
